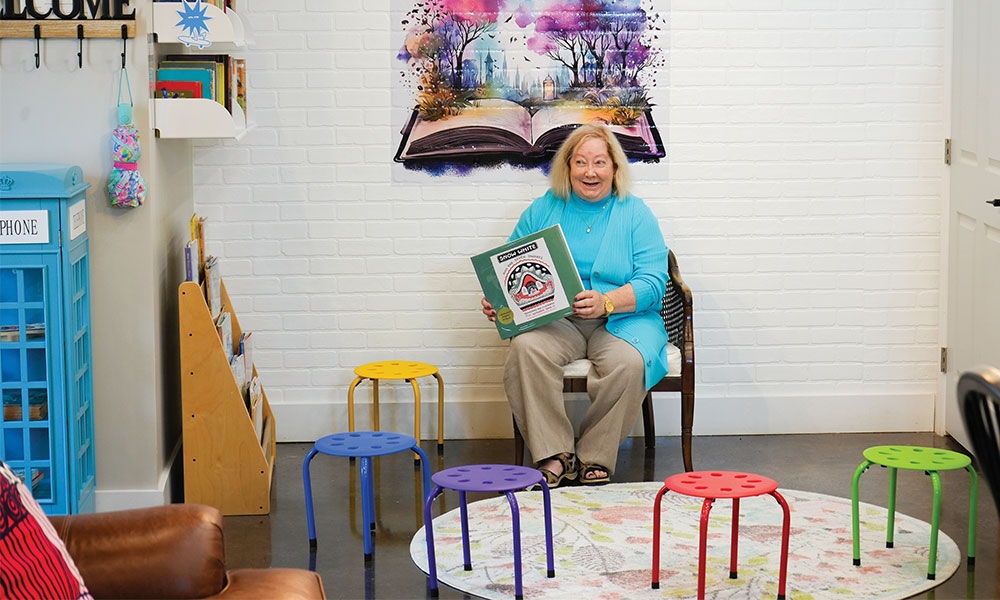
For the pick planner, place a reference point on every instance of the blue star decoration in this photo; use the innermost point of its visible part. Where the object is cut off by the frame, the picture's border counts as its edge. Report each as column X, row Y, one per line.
column 193, row 24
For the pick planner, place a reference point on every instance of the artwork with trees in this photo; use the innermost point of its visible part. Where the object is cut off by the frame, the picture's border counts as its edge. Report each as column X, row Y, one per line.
column 506, row 80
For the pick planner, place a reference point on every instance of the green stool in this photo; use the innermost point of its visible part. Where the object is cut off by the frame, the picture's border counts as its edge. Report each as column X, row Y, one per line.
column 915, row 458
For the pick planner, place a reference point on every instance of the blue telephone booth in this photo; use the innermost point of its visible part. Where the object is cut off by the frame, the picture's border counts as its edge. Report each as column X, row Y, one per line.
column 46, row 379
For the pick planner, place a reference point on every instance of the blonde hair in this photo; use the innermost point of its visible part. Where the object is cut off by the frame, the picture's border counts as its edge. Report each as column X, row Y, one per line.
column 559, row 173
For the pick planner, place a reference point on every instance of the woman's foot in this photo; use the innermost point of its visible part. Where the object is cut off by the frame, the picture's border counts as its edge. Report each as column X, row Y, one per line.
column 594, row 474
column 557, row 468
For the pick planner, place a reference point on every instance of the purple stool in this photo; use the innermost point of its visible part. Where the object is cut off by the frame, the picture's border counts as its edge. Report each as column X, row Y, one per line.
column 488, row 478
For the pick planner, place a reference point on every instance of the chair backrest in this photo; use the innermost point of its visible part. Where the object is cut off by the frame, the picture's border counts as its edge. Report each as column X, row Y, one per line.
column 673, row 308
column 979, row 403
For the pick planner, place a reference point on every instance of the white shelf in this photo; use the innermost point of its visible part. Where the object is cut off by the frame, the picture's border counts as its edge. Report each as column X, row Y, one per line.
column 223, row 27
column 197, row 118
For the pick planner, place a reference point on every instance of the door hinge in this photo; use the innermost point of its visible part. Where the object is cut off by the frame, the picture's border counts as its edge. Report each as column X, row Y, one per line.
column 944, row 360
column 947, row 151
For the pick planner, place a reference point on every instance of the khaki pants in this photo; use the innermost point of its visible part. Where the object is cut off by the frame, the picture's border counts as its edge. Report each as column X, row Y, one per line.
column 533, row 380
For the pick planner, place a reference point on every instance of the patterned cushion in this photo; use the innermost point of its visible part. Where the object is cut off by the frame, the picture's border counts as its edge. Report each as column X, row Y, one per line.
column 34, row 562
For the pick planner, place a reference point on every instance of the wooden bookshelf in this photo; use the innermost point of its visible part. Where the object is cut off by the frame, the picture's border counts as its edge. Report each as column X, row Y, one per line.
column 225, row 464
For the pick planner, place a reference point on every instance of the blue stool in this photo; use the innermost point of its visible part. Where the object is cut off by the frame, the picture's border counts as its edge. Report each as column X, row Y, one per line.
column 363, row 445
column 488, row 478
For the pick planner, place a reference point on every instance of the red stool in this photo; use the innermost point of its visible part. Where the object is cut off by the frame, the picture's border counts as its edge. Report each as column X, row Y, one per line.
column 711, row 485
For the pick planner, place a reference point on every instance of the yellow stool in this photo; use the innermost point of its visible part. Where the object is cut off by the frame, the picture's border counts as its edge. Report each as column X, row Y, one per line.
column 398, row 369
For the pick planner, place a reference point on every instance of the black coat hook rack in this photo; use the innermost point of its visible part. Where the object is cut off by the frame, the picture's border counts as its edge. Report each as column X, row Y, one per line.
column 55, row 28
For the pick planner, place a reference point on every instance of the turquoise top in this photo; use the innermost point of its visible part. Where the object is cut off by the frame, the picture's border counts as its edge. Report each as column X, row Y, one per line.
column 625, row 245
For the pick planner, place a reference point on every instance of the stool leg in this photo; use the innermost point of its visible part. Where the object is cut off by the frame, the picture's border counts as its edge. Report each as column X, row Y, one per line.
column 656, row 537
column 425, row 469
column 786, row 529
column 855, row 511
column 547, row 515
column 973, row 499
column 416, row 411
column 440, row 382
column 706, row 508
column 515, row 517
column 733, row 551
column 350, row 402
column 367, row 504
column 307, row 483
column 432, row 578
column 890, row 527
column 375, row 422
column 463, row 510
column 935, row 521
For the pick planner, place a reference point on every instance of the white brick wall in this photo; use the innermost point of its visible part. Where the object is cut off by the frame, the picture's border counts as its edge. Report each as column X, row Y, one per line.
column 801, row 196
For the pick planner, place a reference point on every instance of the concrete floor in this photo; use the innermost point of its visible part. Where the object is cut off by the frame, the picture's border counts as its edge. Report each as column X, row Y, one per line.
column 818, row 463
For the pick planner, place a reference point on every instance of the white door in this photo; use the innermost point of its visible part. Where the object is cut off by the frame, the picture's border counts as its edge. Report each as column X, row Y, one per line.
column 974, row 224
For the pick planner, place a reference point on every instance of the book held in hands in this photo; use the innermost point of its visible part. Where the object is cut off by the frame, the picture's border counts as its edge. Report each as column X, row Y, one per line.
column 530, row 281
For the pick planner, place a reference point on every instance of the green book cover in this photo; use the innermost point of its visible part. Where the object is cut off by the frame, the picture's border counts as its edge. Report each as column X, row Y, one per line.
column 530, row 281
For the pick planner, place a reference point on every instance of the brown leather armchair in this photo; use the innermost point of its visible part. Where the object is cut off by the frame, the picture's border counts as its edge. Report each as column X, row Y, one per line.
column 172, row 551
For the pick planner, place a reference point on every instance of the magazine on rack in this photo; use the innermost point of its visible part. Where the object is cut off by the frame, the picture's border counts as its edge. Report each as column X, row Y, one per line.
column 530, row 281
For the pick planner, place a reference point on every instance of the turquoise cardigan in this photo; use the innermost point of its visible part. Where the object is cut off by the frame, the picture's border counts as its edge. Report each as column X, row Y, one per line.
column 632, row 251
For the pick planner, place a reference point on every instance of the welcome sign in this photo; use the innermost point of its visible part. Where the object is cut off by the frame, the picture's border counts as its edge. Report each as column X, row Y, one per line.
column 19, row 10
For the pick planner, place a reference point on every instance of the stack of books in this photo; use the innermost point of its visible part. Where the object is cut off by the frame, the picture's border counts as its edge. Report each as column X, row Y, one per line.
column 218, row 77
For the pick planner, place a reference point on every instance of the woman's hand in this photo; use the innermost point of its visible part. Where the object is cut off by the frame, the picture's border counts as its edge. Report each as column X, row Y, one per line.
column 488, row 310
column 588, row 304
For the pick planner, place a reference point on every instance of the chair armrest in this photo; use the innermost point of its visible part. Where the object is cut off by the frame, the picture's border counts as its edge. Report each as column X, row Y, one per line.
column 273, row 584
column 675, row 276
column 172, row 551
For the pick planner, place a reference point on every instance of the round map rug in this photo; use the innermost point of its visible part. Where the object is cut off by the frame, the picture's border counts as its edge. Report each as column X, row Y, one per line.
column 603, row 547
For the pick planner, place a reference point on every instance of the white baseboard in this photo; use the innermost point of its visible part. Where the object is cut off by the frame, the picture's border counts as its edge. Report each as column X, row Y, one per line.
column 713, row 416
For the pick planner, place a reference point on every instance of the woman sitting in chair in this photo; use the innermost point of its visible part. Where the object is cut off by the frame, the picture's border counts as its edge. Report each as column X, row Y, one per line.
column 622, row 259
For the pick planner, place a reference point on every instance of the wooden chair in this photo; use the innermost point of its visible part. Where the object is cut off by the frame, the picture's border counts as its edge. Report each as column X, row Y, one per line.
column 678, row 320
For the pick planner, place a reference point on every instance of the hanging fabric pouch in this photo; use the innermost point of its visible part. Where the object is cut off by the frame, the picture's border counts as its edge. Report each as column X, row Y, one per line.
column 126, row 186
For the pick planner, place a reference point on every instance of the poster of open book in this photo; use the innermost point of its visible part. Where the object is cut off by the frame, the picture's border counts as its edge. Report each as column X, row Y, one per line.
column 487, row 82
column 501, row 126
column 530, row 281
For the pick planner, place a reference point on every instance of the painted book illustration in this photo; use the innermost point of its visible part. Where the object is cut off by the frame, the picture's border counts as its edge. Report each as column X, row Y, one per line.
column 501, row 126
column 530, row 281
column 491, row 81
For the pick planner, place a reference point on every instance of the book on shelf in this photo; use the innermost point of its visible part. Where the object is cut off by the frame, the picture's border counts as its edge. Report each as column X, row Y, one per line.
column 497, row 126
column 198, row 234
column 205, row 76
column 246, row 351
column 224, row 326
column 220, row 64
column 239, row 374
column 530, row 281
column 255, row 395
column 213, row 287
column 177, row 89
column 36, row 476
column 241, row 82
column 191, row 271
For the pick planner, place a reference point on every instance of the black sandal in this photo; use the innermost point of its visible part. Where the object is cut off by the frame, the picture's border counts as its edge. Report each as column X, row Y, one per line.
column 590, row 469
column 568, row 469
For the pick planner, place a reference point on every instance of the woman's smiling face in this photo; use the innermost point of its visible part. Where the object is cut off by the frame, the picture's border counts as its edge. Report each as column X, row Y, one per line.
column 591, row 170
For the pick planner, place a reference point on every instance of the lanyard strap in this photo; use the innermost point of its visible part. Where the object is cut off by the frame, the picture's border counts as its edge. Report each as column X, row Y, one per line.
column 128, row 86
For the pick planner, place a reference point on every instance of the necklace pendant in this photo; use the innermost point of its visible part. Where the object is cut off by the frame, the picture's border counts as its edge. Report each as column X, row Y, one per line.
column 588, row 229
